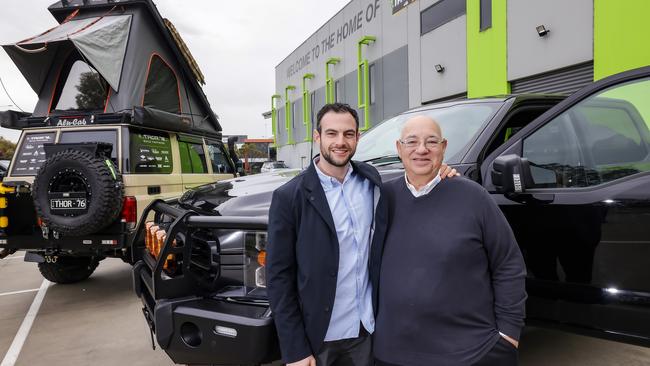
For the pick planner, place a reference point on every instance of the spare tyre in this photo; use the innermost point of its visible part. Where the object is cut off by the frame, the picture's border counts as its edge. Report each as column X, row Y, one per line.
column 77, row 193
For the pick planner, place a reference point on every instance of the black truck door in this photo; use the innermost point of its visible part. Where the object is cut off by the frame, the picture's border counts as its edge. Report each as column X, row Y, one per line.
column 583, row 221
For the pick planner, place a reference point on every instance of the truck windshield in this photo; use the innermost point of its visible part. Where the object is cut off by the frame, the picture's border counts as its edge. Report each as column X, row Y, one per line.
column 459, row 124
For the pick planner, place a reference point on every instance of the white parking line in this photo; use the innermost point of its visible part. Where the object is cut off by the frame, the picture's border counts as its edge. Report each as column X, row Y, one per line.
column 19, row 340
column 18, row 292
column 19, row 257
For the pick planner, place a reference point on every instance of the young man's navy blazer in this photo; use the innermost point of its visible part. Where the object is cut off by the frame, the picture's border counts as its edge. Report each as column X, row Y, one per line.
column 303, row 258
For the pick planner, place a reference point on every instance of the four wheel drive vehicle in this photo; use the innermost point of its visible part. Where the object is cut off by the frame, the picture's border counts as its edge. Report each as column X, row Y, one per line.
column 115, row 127
column 574, row 184
column 271, row 166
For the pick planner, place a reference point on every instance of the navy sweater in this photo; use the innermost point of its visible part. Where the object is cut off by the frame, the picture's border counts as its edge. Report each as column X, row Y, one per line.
column 452, row 276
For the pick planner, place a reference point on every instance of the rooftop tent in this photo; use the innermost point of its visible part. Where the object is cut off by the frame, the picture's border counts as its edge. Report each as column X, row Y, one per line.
column 112, row 60
column 100, row 40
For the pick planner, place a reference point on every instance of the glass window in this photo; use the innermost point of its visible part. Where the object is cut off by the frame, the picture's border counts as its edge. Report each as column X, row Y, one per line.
column 600, row 139
column 486, row 14
column 161, row 90
column 220, row 161
column 440, row 13
column 293, row 115
column 459, row 124
column 192, row 158
column 31, row 154
column 108, row 136
column 312, row 109
column 84, row 89
column 150, row 152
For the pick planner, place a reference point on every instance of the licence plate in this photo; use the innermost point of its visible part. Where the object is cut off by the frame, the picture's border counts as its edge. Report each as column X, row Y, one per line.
column 68, row 203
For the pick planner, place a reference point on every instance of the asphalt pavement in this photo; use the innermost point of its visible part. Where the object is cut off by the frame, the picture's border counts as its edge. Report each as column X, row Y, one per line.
column 99, row 322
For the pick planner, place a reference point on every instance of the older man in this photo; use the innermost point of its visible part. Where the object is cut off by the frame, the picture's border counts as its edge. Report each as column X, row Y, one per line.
column 451, row 288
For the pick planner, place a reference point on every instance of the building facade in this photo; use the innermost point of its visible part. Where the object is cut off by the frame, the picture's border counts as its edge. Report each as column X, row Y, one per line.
column 386, row 56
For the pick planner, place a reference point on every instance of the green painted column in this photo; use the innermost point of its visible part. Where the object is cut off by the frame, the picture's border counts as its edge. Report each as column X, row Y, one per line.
column 363, row 81
column 274, row 118
column 306, row 106
column 329, row 81
column 288, row 114
column 621, row 35
column 487, row 58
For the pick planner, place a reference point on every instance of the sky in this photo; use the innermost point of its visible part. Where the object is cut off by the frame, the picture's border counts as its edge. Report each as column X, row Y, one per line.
column 237, row 45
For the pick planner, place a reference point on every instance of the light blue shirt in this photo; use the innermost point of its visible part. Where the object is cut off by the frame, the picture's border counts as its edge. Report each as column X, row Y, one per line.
column 351, row 204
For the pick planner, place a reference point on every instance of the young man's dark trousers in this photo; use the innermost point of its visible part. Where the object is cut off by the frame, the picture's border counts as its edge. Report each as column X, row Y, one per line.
column 347, row 352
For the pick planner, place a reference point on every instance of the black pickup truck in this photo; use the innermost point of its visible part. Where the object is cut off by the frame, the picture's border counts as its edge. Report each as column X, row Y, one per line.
column 570, row 174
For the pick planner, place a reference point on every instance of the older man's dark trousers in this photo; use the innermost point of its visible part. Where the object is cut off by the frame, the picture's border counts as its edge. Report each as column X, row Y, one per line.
column 347, row 352
column 502, row 354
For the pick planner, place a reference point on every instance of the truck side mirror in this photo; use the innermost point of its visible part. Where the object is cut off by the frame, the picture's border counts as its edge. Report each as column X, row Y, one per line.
column 511, row 174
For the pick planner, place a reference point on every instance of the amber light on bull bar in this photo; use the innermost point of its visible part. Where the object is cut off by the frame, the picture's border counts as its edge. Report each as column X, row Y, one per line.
column 255, row 243
column 154, row 241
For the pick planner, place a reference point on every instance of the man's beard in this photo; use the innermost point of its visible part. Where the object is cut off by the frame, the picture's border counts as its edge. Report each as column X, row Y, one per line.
column 328, row 157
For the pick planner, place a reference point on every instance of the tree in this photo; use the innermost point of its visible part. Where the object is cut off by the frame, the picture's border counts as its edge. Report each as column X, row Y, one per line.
column 92, row 91
column 7, row 148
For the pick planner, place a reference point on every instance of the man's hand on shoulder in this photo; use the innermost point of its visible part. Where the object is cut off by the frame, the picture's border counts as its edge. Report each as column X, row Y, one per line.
column 309, row 361
column 447, row 172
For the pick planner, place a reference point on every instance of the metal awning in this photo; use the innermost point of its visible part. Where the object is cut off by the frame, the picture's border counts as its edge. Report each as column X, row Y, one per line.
column 100, row 40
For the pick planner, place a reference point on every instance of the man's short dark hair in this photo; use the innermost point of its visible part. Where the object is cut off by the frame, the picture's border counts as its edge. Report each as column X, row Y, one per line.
column 336, row 108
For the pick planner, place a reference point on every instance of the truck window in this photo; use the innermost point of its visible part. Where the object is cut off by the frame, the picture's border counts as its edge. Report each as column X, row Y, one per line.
column 603, row 138
column 192, row 158
column 108, row 136
column 31, row 154
column 220, row 161
column 150, row 152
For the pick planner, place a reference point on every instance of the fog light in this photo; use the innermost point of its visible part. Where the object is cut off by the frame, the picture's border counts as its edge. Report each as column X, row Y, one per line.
column 225, row 331
column 191, row 334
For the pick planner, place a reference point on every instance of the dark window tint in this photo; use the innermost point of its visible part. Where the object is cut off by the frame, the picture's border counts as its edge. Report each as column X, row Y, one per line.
column 31, row 154
column 219, row 160
column 312, row 107
column 192, row 158
column 161, row 90
column 293, row 115
column 83, row 90
column 440, row 13
column 486, row 14
column 108, row 136
column 600, row 139
column 150, row 152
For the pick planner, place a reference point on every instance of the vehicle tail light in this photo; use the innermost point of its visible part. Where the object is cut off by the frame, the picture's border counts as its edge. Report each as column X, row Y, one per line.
column 130, row 211
column 261, row 258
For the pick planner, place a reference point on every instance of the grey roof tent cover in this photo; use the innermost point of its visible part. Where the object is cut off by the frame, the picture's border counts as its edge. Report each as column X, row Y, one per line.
column 150, row 73
column 101, row 40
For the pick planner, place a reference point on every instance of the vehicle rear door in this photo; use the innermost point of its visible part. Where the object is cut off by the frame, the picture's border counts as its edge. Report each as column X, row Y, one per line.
column 583, row 223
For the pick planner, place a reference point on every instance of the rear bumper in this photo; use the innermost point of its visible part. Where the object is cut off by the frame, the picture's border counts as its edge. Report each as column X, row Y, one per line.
column 219, row 331
column 79, row 244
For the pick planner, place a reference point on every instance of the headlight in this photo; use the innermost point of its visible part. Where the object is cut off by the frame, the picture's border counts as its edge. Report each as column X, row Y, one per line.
column 255, row 259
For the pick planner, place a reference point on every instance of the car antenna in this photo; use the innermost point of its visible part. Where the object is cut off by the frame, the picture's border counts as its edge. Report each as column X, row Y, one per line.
column 10, row 98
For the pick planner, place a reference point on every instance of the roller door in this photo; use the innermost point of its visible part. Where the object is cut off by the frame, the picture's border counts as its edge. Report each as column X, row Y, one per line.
column 565, row 81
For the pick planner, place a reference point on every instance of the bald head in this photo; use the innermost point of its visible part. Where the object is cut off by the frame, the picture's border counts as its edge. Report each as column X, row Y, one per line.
column 421, row 122
column 421, row 148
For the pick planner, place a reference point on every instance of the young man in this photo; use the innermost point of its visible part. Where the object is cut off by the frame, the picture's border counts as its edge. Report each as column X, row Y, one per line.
column 452, row 288
column 326, row 230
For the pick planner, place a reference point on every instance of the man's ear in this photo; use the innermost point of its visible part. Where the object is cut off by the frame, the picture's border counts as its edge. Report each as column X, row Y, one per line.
column 398, row 147
column 316, row 136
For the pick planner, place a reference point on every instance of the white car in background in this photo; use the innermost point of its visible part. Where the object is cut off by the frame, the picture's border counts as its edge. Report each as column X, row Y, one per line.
column 271, row 166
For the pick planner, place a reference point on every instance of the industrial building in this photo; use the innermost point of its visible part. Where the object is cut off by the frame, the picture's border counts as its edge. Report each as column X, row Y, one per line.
column 386, row 56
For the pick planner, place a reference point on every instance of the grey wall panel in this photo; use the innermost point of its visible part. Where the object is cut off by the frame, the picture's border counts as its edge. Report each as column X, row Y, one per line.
column 446, row 46
column 415, row 89
column 569, row 42
column 566, row 80
column 350, row 90
column 377, row 87
column 395, row 82
column 298, row 126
